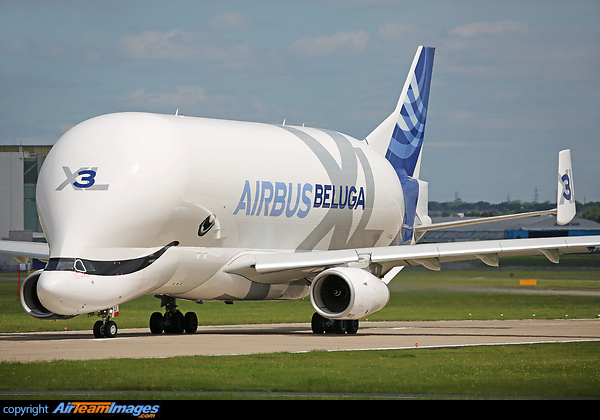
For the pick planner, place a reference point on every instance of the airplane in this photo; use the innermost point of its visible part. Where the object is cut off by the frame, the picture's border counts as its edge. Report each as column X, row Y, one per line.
column 215, row 210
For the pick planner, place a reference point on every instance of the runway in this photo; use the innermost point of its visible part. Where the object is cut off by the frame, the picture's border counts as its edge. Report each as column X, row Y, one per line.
column 251, row 339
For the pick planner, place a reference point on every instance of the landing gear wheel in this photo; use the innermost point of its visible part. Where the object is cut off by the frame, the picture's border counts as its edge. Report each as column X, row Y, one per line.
column 173, row 321
column 320, row 325
column 352, row 326
column 317, row 324
column 328, row 325
column 99, row 329
column 177, row 322
column 339, row 326
column 110, row 329
column 191, row 322
column 105, row 329
column 156, row 323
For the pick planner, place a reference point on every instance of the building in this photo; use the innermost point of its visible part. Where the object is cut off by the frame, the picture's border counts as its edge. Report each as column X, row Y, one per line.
column 19, row 170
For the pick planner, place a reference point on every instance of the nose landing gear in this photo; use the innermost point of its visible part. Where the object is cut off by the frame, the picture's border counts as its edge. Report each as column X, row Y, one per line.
column 106, row 328
column 173, row 321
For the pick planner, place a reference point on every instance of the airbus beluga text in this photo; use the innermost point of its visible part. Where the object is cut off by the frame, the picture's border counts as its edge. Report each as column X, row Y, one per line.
column 213, row 210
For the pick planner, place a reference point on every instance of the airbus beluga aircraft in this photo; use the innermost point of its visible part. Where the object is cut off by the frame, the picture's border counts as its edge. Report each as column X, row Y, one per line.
column 213, row 210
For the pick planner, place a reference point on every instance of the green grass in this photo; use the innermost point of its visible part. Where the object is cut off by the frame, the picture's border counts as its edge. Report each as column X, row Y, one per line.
column 544, row 370
column 490, row 294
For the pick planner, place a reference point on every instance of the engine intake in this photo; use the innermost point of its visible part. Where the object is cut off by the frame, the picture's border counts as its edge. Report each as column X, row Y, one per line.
column 31, row 302
column 347, row 293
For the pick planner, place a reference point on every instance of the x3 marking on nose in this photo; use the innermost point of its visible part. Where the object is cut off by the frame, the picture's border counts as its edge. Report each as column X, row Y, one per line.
column 82, row 179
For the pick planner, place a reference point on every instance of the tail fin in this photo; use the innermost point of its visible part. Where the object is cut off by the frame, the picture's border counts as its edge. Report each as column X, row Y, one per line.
column 400, row 137
column 565, row 200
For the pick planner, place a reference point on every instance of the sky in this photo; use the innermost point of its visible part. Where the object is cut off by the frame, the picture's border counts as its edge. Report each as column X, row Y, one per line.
column 514, row 82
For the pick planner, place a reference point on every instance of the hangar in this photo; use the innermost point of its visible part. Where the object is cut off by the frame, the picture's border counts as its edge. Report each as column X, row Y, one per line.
column 19, row 169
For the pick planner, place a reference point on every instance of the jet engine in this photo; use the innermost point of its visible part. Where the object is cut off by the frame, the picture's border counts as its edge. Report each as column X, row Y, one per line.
column 347, row 293
column 31, row 302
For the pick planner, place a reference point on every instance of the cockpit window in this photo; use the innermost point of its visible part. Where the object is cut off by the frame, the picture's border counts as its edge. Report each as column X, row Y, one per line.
column 60, row 264
column 105, row 268
column 80, row 266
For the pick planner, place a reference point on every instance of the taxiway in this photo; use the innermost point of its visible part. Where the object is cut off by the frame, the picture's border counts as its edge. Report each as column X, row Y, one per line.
column 250, row 339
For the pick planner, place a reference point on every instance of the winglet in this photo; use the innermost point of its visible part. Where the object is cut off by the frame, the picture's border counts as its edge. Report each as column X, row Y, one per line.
column 565, row 200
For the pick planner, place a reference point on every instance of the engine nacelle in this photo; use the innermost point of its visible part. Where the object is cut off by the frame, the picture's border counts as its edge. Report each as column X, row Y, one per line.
column 31, row 301
column 347, row 293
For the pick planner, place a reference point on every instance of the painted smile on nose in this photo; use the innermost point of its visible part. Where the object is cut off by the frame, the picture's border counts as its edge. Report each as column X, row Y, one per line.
column 106, row 268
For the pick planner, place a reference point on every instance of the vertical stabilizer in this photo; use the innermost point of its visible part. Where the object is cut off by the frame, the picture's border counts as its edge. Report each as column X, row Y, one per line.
column 400, row 137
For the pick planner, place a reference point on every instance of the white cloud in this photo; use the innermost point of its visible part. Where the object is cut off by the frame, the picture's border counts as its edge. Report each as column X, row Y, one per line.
column 511, row 49
column 179, row 45
column 491, row 28
column 155, row 45
column 491, row 38
column 396, row 32
column 340, row 43
column 195, row 101
column 178, row 96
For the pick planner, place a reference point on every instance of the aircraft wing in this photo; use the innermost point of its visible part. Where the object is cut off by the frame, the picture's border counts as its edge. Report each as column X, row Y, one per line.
column 274, row 268
column 22, row 251
column 421, row 229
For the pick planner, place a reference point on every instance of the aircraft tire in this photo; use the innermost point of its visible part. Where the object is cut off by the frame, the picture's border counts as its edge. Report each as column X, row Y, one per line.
column 339, row 326
column 352, row 326
column 156, row 323
column 191, row 322
column 110, row 329
column 328, row 325
column 320, row 325
column 317, row 324
column 177, row 322
column 98, row 329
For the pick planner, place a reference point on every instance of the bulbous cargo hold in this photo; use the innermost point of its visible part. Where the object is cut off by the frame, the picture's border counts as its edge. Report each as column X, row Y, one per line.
column 128, row 200
column 135, row 181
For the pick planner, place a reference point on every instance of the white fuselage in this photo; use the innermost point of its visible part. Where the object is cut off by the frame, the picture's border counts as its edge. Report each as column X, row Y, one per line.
column 122, row 186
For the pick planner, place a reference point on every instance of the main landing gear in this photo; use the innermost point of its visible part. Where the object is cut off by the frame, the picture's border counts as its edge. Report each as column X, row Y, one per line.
column 320, row 325
column 173, row 321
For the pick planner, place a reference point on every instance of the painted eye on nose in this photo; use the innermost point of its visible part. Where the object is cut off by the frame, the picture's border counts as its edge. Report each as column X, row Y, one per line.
column 206, row 225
